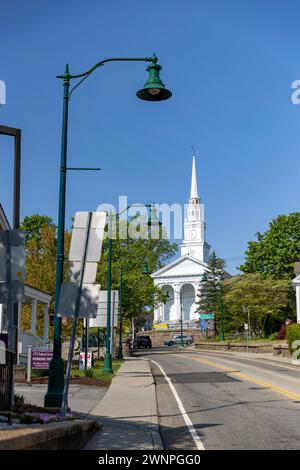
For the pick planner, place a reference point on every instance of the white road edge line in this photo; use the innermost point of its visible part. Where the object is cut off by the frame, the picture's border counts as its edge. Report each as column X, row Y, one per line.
column 184, row 414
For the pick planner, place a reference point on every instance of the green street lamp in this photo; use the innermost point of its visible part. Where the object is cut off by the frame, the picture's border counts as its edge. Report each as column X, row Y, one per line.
column 154, row 88
column 123, row 269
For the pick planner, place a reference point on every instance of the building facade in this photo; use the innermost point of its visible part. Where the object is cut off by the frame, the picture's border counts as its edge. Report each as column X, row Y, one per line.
column 181, row 278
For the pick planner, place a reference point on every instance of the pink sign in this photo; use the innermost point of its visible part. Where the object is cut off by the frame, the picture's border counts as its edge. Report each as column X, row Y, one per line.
column 40, row 358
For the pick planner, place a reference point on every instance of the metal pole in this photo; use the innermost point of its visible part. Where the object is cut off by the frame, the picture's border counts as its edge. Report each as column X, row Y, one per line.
column 98, row 343
column 53, row 397
column 86, row 349
column 29, row 350
column 64, row 404
column 181, row 319
column 120, row 350
column 107, row 359
column 222, row 336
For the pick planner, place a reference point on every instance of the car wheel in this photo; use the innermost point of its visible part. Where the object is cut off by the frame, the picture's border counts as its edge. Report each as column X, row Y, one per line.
column 188, row 342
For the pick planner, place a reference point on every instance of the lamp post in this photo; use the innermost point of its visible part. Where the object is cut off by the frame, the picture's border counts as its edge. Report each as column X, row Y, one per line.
column 123, row 269
column 181, row 320
column 222, row 335
column 154, row 90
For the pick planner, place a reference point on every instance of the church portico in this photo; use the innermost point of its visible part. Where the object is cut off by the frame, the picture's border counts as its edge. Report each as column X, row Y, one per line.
column 181, row 278
column 182, row 297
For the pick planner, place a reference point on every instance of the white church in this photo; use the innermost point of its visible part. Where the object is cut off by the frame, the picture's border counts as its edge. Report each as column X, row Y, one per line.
column 181, row 278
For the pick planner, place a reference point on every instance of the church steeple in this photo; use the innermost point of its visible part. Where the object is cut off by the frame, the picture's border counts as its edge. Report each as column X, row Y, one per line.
column 194, row 188
column 194, row 243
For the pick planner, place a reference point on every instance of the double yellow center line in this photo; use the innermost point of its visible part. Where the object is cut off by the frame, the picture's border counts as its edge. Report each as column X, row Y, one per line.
column 248, row 378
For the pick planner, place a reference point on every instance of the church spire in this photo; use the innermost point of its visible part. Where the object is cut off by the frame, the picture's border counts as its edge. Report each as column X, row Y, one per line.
column 194, row 189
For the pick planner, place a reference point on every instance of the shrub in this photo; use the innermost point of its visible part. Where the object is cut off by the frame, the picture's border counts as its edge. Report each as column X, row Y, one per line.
column 39, row 372
column 274, row 336
column 292, row 334
column 19, row 400
column 89, row 373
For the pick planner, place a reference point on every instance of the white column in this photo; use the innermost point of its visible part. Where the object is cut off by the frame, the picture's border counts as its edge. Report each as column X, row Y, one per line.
column 1, row 317
column 19, row 316
column 298, row 301
column 177, row 306
column 46, row 322
column 33, row 316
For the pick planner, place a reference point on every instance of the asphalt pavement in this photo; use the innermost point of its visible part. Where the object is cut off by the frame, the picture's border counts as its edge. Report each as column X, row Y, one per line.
column 221, row 401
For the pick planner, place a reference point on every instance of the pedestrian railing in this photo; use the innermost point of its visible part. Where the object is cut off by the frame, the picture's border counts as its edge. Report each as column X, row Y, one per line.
column 6, row 383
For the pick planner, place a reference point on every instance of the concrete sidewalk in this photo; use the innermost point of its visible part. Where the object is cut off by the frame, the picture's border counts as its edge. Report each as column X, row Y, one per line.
column 128, row 411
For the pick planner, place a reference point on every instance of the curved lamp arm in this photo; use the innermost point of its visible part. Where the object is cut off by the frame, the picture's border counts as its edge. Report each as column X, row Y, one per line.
column 85, row 75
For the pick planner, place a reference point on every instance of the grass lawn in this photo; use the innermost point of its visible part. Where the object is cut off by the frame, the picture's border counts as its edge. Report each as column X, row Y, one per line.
column 98, row 373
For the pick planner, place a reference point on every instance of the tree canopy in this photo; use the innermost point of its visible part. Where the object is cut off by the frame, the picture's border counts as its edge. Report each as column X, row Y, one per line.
column 270, row 302
column 276, row 250
column 210, row 290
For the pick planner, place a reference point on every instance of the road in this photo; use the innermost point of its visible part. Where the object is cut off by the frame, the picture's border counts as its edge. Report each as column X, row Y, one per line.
column 220, row 401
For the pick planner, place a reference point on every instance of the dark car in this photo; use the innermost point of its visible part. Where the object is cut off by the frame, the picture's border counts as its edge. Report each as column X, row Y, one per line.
column 142, row 342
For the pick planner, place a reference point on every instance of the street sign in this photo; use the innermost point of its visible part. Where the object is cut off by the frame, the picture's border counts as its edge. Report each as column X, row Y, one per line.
column 203, row 325
column 88, row 304
column 207, row 316
column 12, row 265
column 160, row 326
column 101, row 319
column 82, row 360
column 246, row 326
column 95, row 236
column 40, row 358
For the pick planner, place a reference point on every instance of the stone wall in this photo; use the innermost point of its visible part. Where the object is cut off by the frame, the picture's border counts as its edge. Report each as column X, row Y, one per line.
column 158, row 337
column 267, row 347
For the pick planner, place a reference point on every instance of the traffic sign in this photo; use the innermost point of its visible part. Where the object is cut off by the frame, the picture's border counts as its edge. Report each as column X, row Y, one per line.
column 88, row 304
column 207, row 316
column 100, row 320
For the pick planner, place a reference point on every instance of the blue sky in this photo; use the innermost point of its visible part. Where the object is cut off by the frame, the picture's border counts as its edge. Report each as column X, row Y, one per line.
column 230, row 65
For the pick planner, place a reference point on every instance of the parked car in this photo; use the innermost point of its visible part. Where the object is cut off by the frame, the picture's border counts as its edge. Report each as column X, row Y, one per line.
column 176, row 339
column 142, row 342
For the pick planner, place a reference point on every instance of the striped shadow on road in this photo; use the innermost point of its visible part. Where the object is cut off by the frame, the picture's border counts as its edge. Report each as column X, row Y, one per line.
column 248, row 378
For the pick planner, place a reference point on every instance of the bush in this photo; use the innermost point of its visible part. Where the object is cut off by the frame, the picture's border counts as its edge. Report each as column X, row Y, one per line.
column 39, row 372
column 274, row 336
column 292, row 334
column 89, row 373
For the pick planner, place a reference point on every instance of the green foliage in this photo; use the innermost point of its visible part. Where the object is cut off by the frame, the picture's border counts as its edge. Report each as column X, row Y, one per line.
column 34, row 224
column 270, row 302
column 41, row 245
column 273, row 336
column 139, row 292
column 211, row 287
column 292, row 334
column 39, row 372
column 19, row 400
column 89, row 372
column 275, row 250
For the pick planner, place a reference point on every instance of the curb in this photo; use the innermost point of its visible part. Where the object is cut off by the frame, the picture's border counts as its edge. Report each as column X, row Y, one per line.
column 68, row 435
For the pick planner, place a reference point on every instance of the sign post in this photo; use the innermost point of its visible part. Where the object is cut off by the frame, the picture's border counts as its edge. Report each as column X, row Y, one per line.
column 80, row 297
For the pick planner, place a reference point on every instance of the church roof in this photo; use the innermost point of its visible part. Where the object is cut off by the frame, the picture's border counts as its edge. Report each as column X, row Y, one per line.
column 185, row 265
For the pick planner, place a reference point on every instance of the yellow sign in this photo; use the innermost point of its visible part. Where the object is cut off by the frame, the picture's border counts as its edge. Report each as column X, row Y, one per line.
column 160, row 326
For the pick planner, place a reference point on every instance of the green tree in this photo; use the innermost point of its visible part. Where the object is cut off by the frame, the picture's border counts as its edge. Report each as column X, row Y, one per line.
column 139, row 291
column 41, row 244
column 270, row 302
column 210, row 289
column 34, row 224
column 275, row 250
